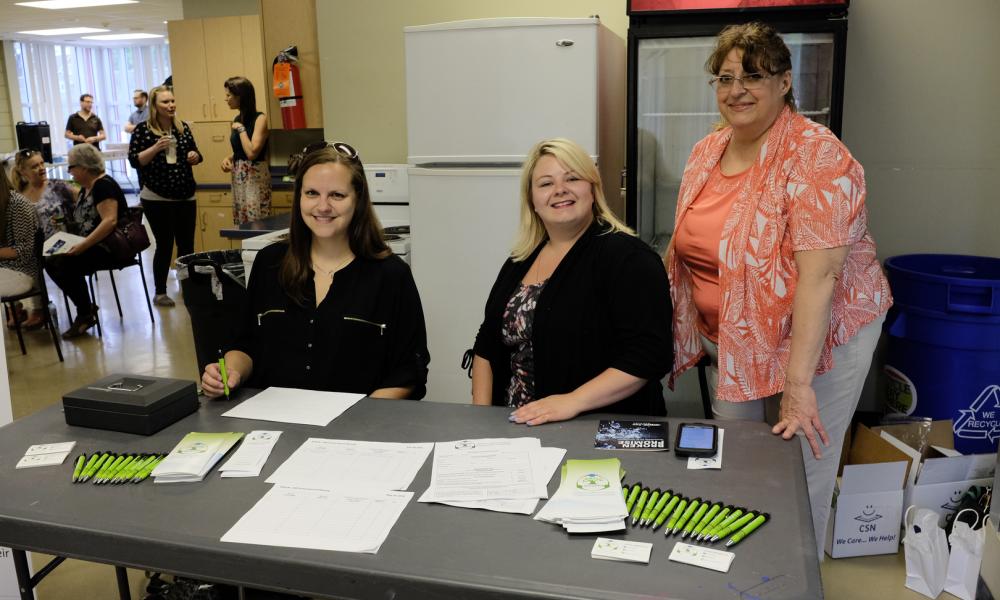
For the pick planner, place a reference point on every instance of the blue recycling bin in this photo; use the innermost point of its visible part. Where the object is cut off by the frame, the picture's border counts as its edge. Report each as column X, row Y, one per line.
column 943, row 350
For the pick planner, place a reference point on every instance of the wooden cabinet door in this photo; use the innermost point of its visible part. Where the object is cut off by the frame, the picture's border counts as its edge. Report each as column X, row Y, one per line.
column 224, row 59
column 211, row 220
column 256, row 66
column 213, row 142
column 190, row 70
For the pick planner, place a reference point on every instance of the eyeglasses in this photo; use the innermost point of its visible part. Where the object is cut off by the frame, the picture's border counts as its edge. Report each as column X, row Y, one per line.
column 342, row 148
column 71, row 166
column 749, row 81
column 26, row 152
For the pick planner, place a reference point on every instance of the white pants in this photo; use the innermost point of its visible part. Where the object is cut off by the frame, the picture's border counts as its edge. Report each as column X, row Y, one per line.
column 837, row 394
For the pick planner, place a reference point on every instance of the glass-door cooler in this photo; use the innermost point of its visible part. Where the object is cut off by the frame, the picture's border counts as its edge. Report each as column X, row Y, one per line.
column 671, row 105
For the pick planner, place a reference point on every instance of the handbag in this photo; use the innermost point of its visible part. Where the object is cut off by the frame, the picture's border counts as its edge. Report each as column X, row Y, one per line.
column 129, row 236
column 926, row 552
column 966, row 556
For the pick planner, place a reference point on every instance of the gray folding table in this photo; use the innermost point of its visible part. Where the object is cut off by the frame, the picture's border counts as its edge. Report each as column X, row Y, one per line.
column 433, row 551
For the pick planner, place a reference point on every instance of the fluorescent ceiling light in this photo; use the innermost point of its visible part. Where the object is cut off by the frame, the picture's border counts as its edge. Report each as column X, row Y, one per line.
column 122, row 36
column 64, row 31
column 60, row 4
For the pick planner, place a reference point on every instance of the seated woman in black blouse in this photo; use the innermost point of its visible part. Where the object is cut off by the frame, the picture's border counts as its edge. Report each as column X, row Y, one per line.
column 579, row 317
column 333, row 309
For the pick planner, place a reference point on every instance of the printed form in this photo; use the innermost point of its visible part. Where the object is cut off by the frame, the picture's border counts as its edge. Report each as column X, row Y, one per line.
column 349, row 464
column 484, row 469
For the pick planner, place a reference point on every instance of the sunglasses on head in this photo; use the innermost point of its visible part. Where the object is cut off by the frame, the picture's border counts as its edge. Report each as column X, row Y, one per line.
column 27, row 152
column 342, row 148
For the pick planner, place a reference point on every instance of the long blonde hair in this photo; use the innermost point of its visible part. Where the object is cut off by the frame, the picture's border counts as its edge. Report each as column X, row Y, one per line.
column 153, row 122
column 532, row 232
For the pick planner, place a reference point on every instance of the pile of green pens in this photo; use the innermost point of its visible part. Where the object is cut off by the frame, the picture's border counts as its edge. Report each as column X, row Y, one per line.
column 703, row 520
column 108, row 467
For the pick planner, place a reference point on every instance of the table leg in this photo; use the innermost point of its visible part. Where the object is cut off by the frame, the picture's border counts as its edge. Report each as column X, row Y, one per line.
column 123, row 590
column 23, row 575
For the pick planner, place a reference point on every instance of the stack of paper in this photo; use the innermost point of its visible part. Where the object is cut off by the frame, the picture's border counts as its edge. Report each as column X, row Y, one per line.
column 621, row 550
column 44, row 455
column 249, row 458
column 589, row 498
column 346, row 465
column 499, row 474
column 194, row 457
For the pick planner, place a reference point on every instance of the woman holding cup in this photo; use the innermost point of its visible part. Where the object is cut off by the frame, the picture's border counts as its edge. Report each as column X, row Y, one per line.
column 163, row 150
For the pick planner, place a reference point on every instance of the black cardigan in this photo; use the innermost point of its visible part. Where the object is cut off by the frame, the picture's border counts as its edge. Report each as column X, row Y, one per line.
column 606, row 305
column 367, row 333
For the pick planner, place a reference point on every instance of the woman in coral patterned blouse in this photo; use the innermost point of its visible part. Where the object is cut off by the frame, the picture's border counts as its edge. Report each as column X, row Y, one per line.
column 772, row 268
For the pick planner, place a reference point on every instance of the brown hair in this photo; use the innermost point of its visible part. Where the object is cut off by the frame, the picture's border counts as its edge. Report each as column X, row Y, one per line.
column 763, row 50
column 364, row 233
column 243, row 90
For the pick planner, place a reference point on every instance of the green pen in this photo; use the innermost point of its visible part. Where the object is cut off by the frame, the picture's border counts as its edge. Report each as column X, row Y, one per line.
column 650, row 503
column 736, row 514
column 695, row 519
column 655, row 512
column 676, row 515
column 90, row 463
column 666, row 511
column 715, row 521
column 735, row 526
column 639, row 504
column 113, row 461
column 117, row 466
column 625, row 494
column 748, row 529
column 222, row 371
column 692, row 506
column 636, row 488
column 127, row 471
column 92, row 470
column 144, row 473
column 79, row 467
column 714, row 510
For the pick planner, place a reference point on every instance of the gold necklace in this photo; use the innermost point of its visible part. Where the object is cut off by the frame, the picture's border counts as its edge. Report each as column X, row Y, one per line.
column 330, row 273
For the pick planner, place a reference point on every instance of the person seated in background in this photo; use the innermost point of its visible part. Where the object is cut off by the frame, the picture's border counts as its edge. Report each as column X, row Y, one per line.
column 333, row 309
column 18, row 264
column 98, row 207
column 52, row 201
column 578, row 319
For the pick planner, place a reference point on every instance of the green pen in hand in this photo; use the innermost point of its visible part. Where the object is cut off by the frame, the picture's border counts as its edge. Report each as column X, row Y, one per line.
column 225, row 376
column 735, row 526
column 705, row 520
column 715, row 521
column 675, row 516
column 693, row 506
column 736, row 514
column 632, row 495
column 639, row 505
column 748, row 529
column 665, row 512
column 655, row 510
column 79, row 467
column 650, row 503
column 695, row 519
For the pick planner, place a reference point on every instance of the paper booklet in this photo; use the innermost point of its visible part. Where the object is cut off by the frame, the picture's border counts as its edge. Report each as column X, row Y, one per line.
column 60, row 243
column 194, row 457
column 632, row 435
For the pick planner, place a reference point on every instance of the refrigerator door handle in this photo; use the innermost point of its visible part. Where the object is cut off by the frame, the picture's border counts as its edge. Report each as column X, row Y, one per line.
column 564, row 43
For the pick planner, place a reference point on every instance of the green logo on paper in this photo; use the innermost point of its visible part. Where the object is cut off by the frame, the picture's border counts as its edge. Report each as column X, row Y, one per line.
column 593, row 482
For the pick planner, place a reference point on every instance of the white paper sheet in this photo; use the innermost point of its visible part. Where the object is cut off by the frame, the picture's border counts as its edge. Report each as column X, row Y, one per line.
column 484, row 469
column 543, row 462
column 320, row 519
column 249, row 458
column 348, row 464
column 288, row 405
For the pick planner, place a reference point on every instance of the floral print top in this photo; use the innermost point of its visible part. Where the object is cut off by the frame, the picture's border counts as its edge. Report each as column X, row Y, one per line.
column 518, row 318
column 56, row 202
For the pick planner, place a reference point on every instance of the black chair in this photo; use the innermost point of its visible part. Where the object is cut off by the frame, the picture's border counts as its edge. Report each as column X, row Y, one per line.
column 41, row 290
column 137, row 260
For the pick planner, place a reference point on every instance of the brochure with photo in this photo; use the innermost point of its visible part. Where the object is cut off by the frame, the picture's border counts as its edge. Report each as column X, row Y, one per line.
column 632, row 435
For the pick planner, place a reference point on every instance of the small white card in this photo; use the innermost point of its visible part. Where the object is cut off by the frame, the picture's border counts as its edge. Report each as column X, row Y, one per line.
column 609, row 549
column 249, row 458
column 700, row 556
column 41, row 460
column 710, row 462
column 50, row 448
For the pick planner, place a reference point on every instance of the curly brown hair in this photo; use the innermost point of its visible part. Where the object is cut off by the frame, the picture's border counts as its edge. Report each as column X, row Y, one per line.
column 763, row 51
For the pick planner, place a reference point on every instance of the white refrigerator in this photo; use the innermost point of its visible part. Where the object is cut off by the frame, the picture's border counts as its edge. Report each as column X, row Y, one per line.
column 479, row 95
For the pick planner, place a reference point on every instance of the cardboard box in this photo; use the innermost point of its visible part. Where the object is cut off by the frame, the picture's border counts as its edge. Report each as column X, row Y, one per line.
column 868, row 501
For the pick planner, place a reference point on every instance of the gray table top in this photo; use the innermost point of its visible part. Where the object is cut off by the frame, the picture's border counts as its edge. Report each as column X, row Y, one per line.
column 433, row 551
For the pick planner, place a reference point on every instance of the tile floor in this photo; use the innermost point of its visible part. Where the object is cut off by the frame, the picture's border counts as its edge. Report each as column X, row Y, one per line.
column 166, row 348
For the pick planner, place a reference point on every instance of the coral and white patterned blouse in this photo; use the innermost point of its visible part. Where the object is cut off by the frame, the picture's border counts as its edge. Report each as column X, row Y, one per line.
column 806, row 193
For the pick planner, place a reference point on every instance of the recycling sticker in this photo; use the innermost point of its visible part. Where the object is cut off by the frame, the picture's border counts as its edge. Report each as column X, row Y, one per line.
column 982, row 419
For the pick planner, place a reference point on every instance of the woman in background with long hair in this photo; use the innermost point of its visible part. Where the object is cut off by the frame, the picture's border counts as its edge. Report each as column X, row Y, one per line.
column 248, row 163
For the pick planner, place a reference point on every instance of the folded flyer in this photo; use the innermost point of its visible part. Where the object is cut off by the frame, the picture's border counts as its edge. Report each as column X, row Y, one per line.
column 632, row 435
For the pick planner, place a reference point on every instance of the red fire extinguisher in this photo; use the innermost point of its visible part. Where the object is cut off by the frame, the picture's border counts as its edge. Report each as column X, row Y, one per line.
column 288, row 89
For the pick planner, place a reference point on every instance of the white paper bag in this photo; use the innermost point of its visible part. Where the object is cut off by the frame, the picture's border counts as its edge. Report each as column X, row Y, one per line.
column 966, row 556
column 926, row 552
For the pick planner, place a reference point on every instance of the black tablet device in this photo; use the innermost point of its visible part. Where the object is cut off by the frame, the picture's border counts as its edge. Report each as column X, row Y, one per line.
column 696, row 439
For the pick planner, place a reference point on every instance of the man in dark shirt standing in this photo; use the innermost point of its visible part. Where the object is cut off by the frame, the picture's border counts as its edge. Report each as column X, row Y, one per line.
column 84, row 127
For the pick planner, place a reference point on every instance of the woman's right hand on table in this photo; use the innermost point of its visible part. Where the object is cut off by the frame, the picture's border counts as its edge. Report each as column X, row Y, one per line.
column 211, row 380
column 227, row 164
